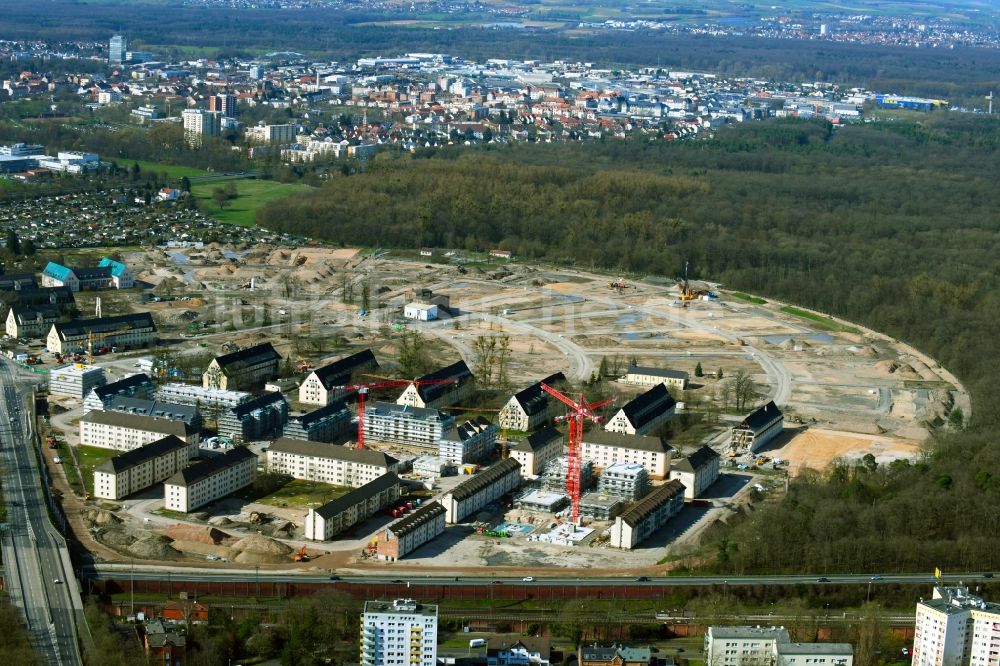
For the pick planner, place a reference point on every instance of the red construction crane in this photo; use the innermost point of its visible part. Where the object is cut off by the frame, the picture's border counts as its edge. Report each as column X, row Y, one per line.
column 579, row 411
column 363, row 387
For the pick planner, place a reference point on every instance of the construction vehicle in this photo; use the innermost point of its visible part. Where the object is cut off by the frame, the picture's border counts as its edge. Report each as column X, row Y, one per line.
column 301, row 556
column 97, row 337
column 619, row 285
column 303, row 365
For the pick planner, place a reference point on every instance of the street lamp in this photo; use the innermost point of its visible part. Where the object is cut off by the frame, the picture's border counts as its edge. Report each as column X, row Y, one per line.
column 257, row 578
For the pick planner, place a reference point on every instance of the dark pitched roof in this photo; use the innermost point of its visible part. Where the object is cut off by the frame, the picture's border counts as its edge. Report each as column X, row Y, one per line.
column 657, row 372
column 482, row 480
column 598, row 652
column 649, row 405
column 28, row 314
column 616, row 439
column 467, row 430
column 340, row 372
column 307, row 419
column 761, row 417
column 263, row 401
column 653, row 501
column 35, row 295
column 409, row 523
column 139, row 422
column 157, row 408
column 213, row 465
column 92, row 273
column 430, row 392
column 702, row 456
column 17, row 281
column 140, row 455
column 123, row 385
column 80, row 327
column 370, row 489
column 541, row 645
column 533, row 399
column 539, row 439
column 250, row 356
column 324, row 450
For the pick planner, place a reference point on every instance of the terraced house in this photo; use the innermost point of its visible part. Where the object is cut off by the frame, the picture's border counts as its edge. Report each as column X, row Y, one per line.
column 207, row 481
column 318, row 387
column 140, row 468
column 244, row 369
column 328, row 463
column 644, row 413
column 532, row 407
column 123, row 331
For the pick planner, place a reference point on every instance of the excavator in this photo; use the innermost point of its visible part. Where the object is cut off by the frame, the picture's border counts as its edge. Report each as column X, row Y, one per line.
column 301, row 556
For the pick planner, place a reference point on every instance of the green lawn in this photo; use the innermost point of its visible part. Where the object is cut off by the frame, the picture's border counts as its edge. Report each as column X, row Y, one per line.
column 820, row 321
column 89, row 457
column 299, row 493
column 252, row 194
column 172, row 170
column 747, row 297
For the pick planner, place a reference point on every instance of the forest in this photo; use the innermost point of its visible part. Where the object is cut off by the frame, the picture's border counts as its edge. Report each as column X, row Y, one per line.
column 893, row 225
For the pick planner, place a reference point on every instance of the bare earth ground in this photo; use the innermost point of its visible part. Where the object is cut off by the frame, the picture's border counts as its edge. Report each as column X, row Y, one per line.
column 816, row 448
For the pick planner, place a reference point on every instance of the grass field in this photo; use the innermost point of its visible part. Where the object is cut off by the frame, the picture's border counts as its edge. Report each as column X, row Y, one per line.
column 301, row 493
column 172, row 171
column 821, row 322
column 748, row 298
column 252, row 194
column 89, row 457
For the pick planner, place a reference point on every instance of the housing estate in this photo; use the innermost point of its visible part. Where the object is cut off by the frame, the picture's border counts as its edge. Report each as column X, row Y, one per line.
column 480, row 490
column 398, row 633
column 644, row 412
column 389, row 422
column 207, row 481
column 697, row 471
column 758, row 428
column 329, row 520
column 124, row 432
column 328, row 463
column 244, row 369
column 648, row 516
column 140, row 468
column 318, row 388
column 532, row 407
column 536, row 450
column 410, row 532
column 123, row 331
column 607, row 448
column 447, row 386
column 324, row 424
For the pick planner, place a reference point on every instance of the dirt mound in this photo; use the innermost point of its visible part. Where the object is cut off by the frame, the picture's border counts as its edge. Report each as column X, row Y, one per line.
column 863, row 351
column 206, row 535
column 887, row 366
column 906, row 370
column 153, row 547
column 115, row 537
column 788, row 344
column 221, row 521
column 198, row 548
column 257, row 549
column 103, row 518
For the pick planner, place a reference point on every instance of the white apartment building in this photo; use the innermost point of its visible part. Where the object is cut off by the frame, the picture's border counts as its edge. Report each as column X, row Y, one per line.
column 697, row 472
column 209, row 480
column 608, row 448
column 329, row 520
column 484, row 488
column 770, row 646
column 398, row 633
column 644, row 413
column 199, row 123
column 955, row 628
column 75, row 380
column 131, row 330
column 448, row 386
column 532, row 407
column 468, row 442
column 388, row 422
column 319, row 387
column 205, row 398
column 645, row 376
column 410, row 532
column 140, row 468
column 328, row 463
column 537, row 450
column 124, row 432
column 270, row 134
column 648, row 516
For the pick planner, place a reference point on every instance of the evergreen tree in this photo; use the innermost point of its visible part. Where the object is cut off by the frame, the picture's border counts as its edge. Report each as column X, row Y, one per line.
column 13, row 242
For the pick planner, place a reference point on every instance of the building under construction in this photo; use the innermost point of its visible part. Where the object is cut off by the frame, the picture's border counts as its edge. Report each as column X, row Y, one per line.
column 758, row 428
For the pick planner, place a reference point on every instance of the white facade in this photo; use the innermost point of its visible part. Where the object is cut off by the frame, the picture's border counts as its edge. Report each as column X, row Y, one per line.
column 537, row 451
column 198, row 124
column 387, row 422
column 483, row 489
column 605, row 449
column 421, row 312
column 209, row 480
column 398, row 633
column 138, row 469
column 770, row 646
column 334, row 517
column 955, row 628
column 328, row 463
column 125, row 432
column 697, row 472
column 75, row 380
column 271, row 134
column 641, row 376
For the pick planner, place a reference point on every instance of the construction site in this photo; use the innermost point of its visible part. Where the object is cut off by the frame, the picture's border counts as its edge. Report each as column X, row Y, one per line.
column 840, row 393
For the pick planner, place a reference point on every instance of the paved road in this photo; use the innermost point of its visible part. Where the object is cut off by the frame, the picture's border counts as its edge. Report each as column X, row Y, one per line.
column 35, row 553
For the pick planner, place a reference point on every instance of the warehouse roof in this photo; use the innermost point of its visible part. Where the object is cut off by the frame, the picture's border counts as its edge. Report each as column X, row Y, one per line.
column 484, row 479
column 370, row 489
column 134, row 457
column 212, row 466
column 139, row 422
column 333, row 451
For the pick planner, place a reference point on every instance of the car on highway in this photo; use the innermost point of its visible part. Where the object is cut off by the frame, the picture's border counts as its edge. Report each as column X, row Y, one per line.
column 988, row 574
column 824, row 579
column 528, row 579
column 56, row 581
column 397, row 581
column 876, row 578
column 642, row 579
column 334, row 577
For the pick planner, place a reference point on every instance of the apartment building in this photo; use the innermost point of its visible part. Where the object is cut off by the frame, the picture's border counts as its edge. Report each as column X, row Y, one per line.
column 125, row 432
column 329, row 520
column 207, row 481
column 205, row 398
column 318, row 388
column 134, row 386
column 398, row 633
column 608, row 448
column 31, row 321
column 448, row 386
column 770, row 646
column 410, row 532
column 199, row 124
column 258, row 418
column 481, row 490
column 124, row 331
column 613, row 655
column 188, row 414
column 325, row 424
column 244, row 369
column 648, row 516
column 956, row 628
column 647, row 376
column 270, row 134
column 388, row 422
column 140, row 468
column 758, row 428
column 518, row 651
column 536, row 450
column 532, row 407
column 557, row 470
column 643, row 413
column 75, row 380
column 697, row 471
column 328, row 463
column 629, row 481
column 468, row 442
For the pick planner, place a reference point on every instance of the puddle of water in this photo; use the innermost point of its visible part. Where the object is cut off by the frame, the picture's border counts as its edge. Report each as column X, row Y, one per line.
column 821, row 337
column 777, row 339
column 179, row 258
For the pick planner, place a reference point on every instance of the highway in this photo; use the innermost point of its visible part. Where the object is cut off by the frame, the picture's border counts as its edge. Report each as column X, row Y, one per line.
column 39, row 574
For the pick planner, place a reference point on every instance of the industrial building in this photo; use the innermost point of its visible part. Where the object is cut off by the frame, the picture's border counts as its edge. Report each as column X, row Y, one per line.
column 398, row 633
column 532, row 407
column 338, row 515
column 207, row 481
column 608, row 448
column 536, row 450
column 208, row 399
column 124, row 432
column 697, row 471
column 648, row 516
column 448, row 386
column 31, row 321
column 468, row 442
column 124, row 331
column 244, row 369
column 134, row 386
column 75, row 380
column 328, row 463
column 325, row 424
column 643, row 413
column 758, row 428
column 189, row 414
column 481, row 490
column 318, row 386
column 629, row 481
column 259, row 418
column 646, row 376
column 413, row 426
column 140, row 468
column 770, row 646
column 410, row 532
